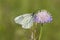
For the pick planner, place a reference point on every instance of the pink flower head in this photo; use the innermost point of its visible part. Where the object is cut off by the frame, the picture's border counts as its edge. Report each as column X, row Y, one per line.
column 43, row 17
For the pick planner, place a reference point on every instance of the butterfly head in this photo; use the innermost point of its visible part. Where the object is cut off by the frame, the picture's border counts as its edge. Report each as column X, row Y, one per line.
column 33, row 14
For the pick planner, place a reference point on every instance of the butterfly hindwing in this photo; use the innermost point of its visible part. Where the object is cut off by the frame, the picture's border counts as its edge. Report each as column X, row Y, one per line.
column 28, row 22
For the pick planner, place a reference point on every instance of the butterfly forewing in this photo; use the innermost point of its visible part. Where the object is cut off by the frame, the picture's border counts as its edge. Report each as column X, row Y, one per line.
column 25, row 20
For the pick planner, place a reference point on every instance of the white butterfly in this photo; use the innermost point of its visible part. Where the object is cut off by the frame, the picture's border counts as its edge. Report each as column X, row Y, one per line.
column 25, row 20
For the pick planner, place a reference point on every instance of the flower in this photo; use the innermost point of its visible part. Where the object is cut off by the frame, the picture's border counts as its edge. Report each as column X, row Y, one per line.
column 43, row 17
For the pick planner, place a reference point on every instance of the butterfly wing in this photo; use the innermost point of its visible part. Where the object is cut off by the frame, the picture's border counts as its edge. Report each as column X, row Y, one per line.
column 25, row 20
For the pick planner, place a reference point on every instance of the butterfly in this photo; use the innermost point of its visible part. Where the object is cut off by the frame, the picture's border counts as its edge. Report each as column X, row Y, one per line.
column 26, row 20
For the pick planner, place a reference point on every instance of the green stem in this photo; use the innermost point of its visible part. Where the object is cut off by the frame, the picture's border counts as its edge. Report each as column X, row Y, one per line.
column 40, row 34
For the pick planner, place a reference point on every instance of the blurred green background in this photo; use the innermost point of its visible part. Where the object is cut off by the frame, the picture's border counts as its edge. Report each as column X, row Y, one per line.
column 9, row 9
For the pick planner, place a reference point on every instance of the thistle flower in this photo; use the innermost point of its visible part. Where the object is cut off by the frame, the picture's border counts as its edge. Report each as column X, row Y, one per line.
column 43, row 17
